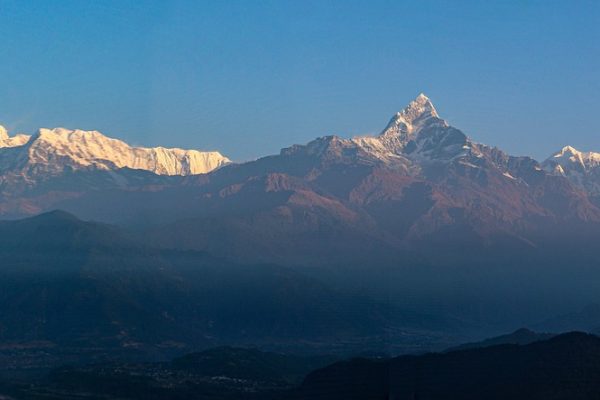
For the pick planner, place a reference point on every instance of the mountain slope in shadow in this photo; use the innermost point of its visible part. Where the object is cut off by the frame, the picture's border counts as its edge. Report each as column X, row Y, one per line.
column 75, row 284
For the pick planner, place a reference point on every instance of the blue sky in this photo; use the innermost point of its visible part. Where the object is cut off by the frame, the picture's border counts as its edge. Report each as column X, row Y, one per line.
column 250, row 77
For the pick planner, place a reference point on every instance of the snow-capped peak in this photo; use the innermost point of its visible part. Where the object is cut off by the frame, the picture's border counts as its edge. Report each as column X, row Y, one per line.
column 54, row 150
column 418, row 108
column 415, row 134
column 580, row 167
column 406, row 125
column 14, row 141
column 567, row 151
column 410, row 120
column 568, row 156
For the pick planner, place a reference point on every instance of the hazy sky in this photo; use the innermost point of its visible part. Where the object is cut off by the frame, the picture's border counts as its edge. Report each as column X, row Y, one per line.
column 250, row 77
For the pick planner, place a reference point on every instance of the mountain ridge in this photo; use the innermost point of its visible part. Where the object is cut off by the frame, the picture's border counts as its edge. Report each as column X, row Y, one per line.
column 51, row 151
column 418, row 183
column 582, row 168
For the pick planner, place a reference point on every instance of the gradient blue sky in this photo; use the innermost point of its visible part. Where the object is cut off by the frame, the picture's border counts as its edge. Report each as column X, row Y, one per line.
column 250, row 77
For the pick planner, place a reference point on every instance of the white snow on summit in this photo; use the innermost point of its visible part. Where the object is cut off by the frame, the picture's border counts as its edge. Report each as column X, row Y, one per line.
column 7, row 141
column 581, row 168
column 53, row 150
column 406, row 124
column 418, row 133
column 569, row 157
column 414, row 136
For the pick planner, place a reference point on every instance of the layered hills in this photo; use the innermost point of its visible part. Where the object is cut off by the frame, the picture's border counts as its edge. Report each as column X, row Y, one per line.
column 414, row 239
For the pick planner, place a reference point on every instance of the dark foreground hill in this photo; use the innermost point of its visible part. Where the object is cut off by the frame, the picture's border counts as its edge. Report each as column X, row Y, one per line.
column 564, row 367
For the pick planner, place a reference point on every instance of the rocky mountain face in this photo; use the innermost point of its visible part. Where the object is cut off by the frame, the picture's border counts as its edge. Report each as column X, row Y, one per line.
column 421, row 182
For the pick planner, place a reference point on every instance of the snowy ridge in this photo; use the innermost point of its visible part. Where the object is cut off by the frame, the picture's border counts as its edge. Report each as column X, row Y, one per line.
column 414, row 137
column 581, row 168
column 569, row 159
column 7, row 141
column 53, row 150
column 417, row 138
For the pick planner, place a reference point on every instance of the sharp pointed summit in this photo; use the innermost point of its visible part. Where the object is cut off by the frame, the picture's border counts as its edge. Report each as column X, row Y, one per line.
column 419, row 108
column 406, row 124
column 414, row 115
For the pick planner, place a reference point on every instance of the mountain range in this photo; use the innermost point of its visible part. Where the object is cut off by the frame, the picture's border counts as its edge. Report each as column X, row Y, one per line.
column 420, row 181
column 421, row 219
column 52, row 151
column 413, row 240
column 414, row 139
